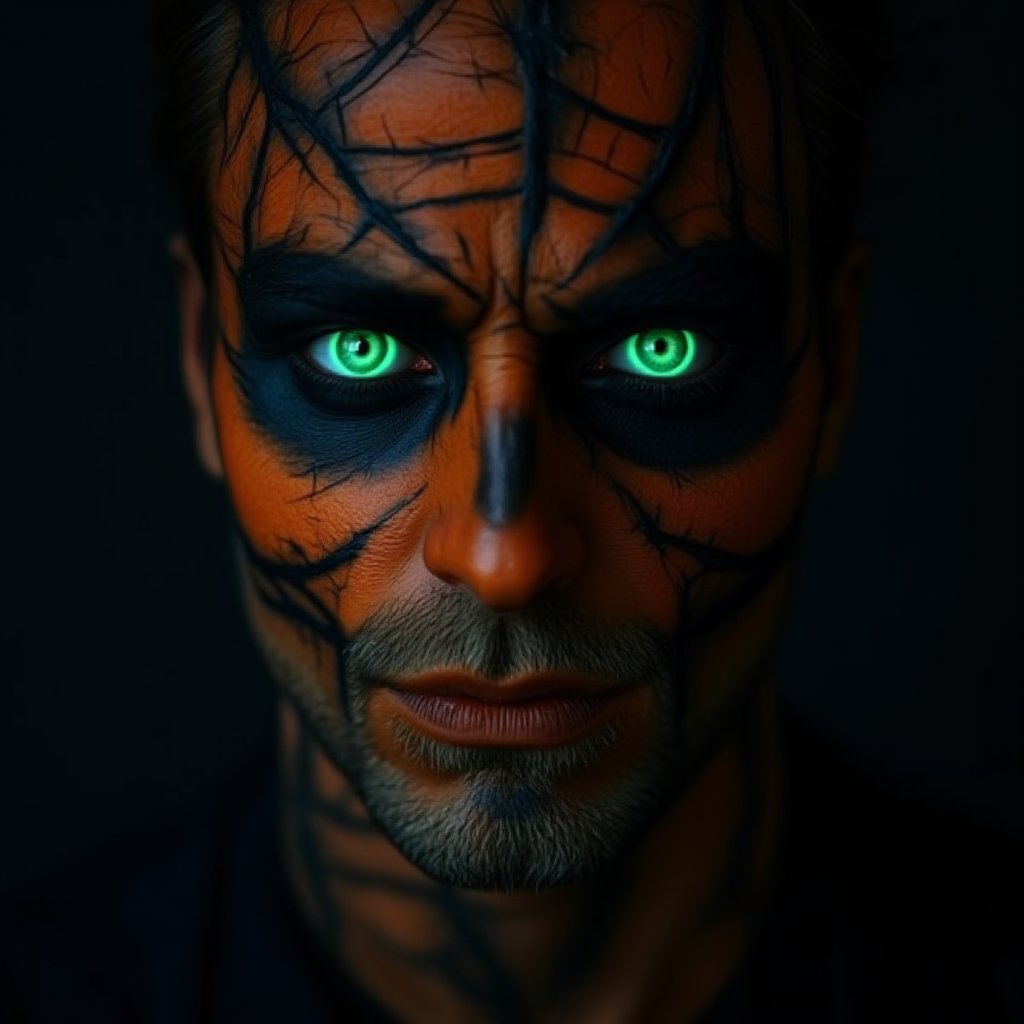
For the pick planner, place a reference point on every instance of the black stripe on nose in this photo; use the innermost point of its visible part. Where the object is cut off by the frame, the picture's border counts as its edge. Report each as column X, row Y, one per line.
column 506, row 468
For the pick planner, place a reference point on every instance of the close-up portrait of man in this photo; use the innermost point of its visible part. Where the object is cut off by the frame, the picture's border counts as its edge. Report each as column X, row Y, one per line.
column 516, row 335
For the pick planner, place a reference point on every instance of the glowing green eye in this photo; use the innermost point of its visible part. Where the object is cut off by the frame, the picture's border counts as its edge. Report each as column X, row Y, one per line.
column 360, row 354
column 661, row 352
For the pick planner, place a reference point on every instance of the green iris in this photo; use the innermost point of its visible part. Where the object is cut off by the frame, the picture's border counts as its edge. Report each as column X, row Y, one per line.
column 357, row 353
column 661, row 352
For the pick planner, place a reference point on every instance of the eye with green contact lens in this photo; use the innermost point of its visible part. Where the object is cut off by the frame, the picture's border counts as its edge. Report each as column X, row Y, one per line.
column 662, row 353
column 361, row 355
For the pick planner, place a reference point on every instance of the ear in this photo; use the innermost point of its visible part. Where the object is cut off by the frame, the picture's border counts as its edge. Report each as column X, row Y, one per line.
column 195, row 361
column 840, row 347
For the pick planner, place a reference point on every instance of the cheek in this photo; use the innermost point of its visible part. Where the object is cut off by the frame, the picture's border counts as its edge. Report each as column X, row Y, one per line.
column 750, row 503
column 743, row 511
column 743, row 508
column 295, row 518
column 270, row 501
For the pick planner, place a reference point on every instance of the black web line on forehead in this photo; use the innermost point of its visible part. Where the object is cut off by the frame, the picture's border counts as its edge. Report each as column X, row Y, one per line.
column 673, row 137
column 404, row 34
column 533, row 39
column 292, row 119
column 726, row 158
column 538, row 41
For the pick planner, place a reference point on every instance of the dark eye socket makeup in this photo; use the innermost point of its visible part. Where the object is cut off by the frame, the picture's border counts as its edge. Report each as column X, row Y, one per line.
column 720, row 308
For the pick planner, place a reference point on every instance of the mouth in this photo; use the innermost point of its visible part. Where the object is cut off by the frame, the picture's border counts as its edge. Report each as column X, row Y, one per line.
column 541, row 710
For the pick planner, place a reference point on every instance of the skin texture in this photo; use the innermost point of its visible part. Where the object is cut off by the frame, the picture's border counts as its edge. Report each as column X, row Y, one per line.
column 513, row 191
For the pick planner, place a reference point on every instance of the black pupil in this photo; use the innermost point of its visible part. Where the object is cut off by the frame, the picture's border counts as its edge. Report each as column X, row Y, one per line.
column 660, row 346
column 362, row 347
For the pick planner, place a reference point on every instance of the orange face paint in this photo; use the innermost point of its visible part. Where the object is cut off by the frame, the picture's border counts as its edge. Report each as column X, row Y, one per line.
column 517, row 392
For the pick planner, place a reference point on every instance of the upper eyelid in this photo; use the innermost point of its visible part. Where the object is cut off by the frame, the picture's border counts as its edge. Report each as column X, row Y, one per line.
column 597, row 349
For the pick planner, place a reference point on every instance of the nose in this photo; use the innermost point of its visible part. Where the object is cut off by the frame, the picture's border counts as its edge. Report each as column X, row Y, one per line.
column 504, row 529
column 506, row 567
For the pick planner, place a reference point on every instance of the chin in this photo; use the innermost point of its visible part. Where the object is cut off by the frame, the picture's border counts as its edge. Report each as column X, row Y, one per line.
column 509, row 821
column 493, row 818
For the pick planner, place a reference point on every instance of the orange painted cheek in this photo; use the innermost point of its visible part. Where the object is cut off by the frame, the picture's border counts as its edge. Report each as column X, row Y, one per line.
column 625, row 578
column 745, row 506
column 391, row 567
column 288, row 514
column 636, row 584
column 270, row 500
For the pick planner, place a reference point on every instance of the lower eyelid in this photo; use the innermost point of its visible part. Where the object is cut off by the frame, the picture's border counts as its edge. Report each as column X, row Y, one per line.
column 706, row 385
column 339, row 394
column 419, row 365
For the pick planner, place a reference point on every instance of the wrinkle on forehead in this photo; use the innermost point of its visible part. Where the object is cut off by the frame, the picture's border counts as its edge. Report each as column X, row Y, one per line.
column 427, row 105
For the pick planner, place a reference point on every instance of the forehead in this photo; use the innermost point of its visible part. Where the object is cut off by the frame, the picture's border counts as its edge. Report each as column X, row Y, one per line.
column 475, row 146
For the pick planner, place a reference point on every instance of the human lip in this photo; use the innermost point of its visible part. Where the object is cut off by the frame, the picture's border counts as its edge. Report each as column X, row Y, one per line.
column 539, row 710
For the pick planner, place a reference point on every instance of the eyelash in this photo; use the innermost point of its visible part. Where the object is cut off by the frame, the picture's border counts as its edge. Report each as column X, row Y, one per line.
column 693, row 393
column 337, row 392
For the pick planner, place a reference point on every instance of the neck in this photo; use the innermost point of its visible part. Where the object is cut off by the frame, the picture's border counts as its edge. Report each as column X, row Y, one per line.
column 655, row 939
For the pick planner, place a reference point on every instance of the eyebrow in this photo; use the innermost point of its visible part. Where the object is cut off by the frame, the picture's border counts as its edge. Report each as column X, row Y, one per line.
column 710, row 278
column 283, row 288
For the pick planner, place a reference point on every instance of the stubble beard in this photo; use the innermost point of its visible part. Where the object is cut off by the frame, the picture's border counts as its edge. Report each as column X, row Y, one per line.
column 508, row 819
column 505, row 822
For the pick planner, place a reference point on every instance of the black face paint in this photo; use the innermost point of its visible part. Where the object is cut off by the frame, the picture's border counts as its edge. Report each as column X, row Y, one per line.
column 297, row 123
column 341, row 428
column 336, row 427
column 754, row 569
column 534, row 40
column 540, row 37
column 703, row 79
column 507, row 451
column 285, row 585
column 734, row 292
column 327, row 424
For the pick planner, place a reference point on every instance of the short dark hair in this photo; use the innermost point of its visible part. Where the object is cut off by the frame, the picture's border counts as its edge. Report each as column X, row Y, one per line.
column 836, row 47
column 193, row 42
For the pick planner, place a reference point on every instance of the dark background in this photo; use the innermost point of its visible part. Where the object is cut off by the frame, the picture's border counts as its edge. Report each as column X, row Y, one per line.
column 136, row 684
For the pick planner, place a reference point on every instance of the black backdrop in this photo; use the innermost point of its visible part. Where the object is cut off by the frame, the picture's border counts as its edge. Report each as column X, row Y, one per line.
column 136, row 684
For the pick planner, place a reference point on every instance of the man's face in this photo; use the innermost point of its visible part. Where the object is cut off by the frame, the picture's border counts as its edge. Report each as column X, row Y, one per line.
column 517, row 394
